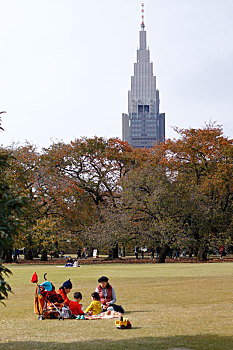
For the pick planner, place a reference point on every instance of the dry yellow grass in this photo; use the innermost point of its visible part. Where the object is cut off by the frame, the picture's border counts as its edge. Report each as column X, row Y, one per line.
column 170, row 306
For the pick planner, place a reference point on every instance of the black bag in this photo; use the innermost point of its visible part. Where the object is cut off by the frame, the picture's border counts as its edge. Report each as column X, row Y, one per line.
column 118, row 308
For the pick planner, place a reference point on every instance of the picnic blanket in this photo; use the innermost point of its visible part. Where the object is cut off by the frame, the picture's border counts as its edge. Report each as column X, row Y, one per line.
column 67, row 266
column 104, row 315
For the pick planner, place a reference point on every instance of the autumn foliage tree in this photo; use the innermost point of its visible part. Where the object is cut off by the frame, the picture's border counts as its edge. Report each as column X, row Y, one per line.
column 103, row 192
column 150, row 203
column 200, row 161
column 181, row 196
column 89, row 171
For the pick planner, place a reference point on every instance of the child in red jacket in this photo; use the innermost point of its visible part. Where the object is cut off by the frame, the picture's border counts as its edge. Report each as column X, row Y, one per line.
column 74, row 306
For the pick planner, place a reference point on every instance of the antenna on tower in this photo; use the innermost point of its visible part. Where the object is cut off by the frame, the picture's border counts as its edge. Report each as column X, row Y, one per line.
column 142, row 10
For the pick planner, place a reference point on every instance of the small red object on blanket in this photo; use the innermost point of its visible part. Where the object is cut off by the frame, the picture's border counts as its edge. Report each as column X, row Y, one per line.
column 34, row 278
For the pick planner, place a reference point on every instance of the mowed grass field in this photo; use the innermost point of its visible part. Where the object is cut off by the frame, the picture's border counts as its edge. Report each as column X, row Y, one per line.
column 170, row 306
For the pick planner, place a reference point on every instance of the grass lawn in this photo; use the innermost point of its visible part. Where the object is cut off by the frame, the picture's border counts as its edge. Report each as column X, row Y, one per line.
column 184, row 306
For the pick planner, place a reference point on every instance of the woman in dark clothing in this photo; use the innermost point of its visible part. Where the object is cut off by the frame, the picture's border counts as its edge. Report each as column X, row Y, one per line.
column 69, row 261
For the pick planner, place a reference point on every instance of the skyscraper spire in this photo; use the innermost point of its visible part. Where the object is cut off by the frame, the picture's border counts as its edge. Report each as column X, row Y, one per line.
column 142, row 33
column 144, row 125
column 142, row 10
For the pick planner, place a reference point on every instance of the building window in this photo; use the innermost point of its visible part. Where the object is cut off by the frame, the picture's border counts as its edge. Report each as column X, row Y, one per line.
column 140, row 109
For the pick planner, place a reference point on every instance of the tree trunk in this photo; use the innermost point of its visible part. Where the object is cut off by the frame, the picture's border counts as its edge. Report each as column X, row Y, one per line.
column 44, row 255
column 28, row 250
column 28, row 254
column 56, row 254
column 35, row 253
column 7, row 255
column 90, row 252
column 202, row 253
column 56, row 246
column 113, row 252
column 123, row 251
column 163, row 253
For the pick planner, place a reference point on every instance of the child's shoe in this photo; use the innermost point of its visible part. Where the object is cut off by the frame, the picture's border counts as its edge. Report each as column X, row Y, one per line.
column 82, row 317
column 78, row 317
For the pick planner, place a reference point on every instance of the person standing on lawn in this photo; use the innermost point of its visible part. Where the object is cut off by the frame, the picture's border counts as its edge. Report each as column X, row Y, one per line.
column 136, row 252
column 152, row 253
column 85, row 252
column 222, row 251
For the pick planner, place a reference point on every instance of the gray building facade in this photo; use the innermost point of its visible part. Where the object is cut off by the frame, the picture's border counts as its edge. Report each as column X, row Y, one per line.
column 144, row 125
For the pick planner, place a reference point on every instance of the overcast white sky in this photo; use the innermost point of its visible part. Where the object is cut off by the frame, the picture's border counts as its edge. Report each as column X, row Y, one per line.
column 65, row 65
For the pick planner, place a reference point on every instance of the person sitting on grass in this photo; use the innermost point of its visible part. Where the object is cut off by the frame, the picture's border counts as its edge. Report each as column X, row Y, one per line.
column 76, row 264
column 75, row 306
column 95, row 307
column 64, row 290
column 106, row 293
column 69, row 262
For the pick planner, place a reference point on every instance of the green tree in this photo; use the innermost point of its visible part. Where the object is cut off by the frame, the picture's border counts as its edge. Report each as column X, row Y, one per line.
column 9, row 210
column 23, row 175
column 4, row 272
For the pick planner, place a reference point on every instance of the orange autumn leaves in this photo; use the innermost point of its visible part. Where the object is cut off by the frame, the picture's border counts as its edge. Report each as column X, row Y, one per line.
column 74, row 186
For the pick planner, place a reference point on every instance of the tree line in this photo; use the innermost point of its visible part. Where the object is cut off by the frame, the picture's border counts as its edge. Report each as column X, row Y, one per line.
column 104, row 193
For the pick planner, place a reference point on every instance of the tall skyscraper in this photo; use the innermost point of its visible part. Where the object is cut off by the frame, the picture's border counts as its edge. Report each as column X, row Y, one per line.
column 144, row 125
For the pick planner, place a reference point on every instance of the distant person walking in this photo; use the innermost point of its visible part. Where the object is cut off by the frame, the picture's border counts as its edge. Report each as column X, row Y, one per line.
column 177, row 254
column 142, row 254
column 85, row 252
column 17, row 252
column 222, row 251
column 78, row 253
column 152, row 253
column 136, row 252
column 158, row 250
